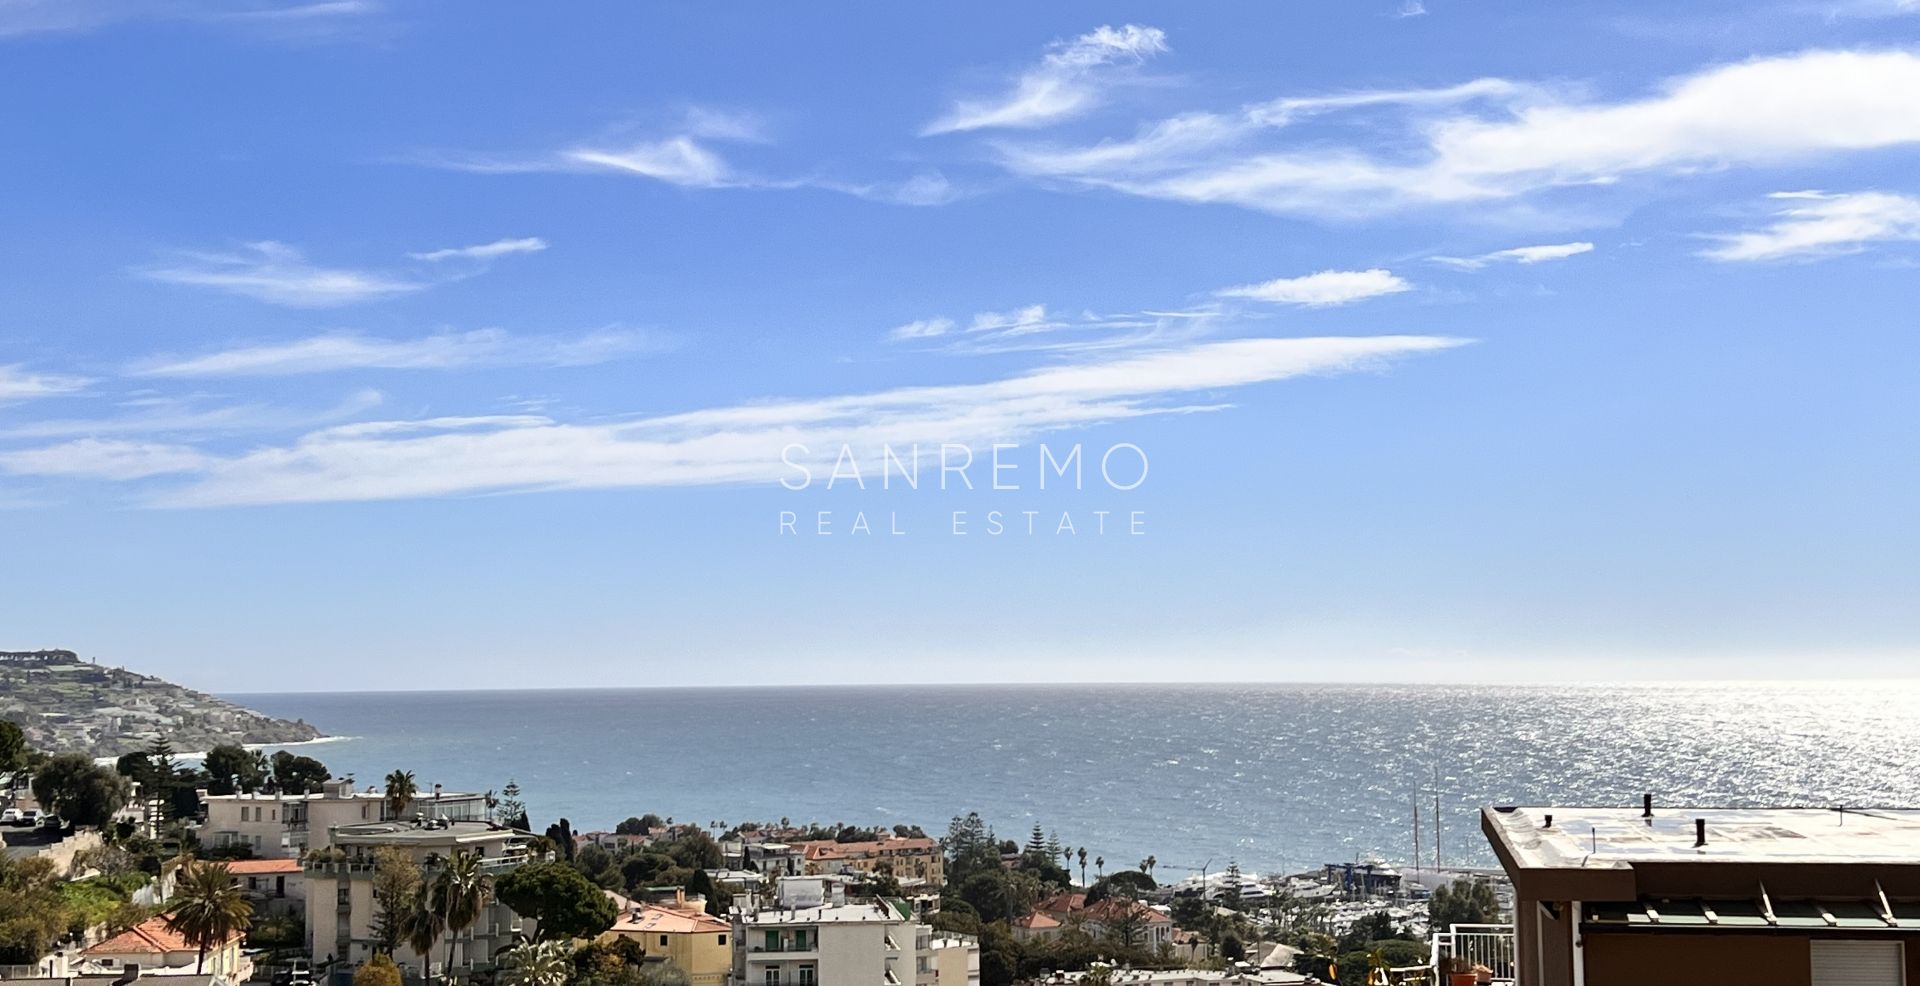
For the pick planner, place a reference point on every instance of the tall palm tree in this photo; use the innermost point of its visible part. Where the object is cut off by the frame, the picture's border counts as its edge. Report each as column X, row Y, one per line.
column 460, row 893
column 421, row 926
column 1147, row 865
column 208, row 908
column 1083, row 865
column 400, row 792
column 1099, row 865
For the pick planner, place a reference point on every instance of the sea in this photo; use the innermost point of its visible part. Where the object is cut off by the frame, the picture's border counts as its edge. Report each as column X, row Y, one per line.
column 1269, row 777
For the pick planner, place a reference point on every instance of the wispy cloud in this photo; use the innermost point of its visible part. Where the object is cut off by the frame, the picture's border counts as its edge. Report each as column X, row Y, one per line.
column 686, row 155
column 484, row 251
column 443, row 351
column 1496, row 139
column 1821, row 224
column 281, row 275
column 1070, row 79
column 740, row 443
column 291, row 21
column 105, row 458
column 1033, row 328
column 162, row 415
column 1517, row 255
column 1411, row 8
column 1324, row 289
column 17, row 383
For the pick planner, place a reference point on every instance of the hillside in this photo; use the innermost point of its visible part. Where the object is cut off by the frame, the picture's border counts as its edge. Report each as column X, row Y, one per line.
column 67, row 705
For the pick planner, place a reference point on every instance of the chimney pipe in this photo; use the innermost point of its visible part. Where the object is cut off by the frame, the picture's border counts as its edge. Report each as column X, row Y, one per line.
column 1646, row 806
column 1549, row 823
column 1699, row 832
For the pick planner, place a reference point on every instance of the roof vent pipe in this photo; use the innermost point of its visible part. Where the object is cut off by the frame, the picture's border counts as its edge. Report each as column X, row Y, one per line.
column 1646, row 806
column 1699, row 832
column 1549, row 822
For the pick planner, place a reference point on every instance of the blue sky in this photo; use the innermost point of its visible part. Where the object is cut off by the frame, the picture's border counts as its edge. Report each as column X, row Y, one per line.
column 362, row 344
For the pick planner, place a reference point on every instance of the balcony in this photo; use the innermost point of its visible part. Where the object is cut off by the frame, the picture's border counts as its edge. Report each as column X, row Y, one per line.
column 1483, row 945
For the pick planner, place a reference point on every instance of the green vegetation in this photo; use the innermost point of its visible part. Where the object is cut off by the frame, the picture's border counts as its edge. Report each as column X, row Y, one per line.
column 71, row 786
column 563, row 902
column 207, row 909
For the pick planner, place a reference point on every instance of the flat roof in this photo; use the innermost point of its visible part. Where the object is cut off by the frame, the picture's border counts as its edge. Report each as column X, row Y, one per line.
column 386, row 832
column 859, row 913
column 1618, row 838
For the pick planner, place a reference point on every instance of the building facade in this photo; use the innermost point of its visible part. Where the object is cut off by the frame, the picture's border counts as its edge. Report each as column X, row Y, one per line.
column 286, row 825
column 799, row 941
column 693, row 941
column 909, row 860
column 1679, row 897
column 339, row 890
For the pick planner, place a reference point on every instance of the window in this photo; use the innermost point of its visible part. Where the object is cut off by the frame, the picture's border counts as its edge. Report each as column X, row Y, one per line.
column 1857, row 963
column 663, row 941
column 773, row 977
column 806, row 975
column 723, row 939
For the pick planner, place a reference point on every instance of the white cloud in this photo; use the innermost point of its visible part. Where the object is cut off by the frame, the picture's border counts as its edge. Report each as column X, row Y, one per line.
column 20, row 17
column 1440, row 150
column 97, row 458
column 1519, row 255
column 734, row 444
column 1069, row 80
column 1033, row 328
column 1324, row 289
column 1818, row 224
column 278, row 274
column 19, row 384
column 925, row 328
column 281, row 275
column 674, row 160
column 1411, row 8
column 168, row 415
column 688, row 160
column 443, row 351
column 484, row 251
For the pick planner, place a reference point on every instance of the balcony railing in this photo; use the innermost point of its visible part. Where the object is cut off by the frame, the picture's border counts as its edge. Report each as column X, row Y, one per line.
column 1489, row 945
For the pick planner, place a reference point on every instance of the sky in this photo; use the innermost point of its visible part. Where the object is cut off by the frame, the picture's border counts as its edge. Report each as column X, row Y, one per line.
column 368, row 344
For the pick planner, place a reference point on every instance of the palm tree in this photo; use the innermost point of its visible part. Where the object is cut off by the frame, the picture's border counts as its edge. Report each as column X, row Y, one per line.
column 420, row 927
column 208, row 909
column 547, row 963
column 1147, row 865
column 1099, row 865
column 400, row 792
column 460, row 893
column 1083, row 865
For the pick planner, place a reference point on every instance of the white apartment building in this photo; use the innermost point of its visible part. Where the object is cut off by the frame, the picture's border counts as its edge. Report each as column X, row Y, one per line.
column 803, row 940
column 339, row 889
column 286, row 825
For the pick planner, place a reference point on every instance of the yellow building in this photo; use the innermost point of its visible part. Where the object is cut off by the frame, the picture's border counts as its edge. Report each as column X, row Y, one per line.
column 695, row 942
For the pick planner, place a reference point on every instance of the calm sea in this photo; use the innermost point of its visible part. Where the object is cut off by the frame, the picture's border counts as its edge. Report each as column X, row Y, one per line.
column 1272, row 776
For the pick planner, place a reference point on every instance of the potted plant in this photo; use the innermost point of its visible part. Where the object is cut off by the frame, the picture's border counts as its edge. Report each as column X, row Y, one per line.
column 1460, row 972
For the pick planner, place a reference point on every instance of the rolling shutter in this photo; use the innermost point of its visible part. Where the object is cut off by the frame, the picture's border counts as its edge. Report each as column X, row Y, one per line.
column 1851, row 963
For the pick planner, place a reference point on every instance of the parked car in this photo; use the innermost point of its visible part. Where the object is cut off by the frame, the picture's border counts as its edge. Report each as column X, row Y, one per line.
column 30, row 816
column 12, row 816
column 52, row 822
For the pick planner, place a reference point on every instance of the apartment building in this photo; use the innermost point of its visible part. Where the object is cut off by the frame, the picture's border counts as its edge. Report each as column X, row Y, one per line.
column 286, row 825
column 800, row 940
column 909, row 860
column 1685, row 896
column 339, row 889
